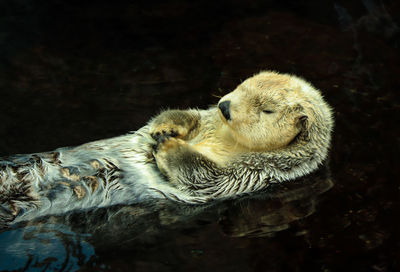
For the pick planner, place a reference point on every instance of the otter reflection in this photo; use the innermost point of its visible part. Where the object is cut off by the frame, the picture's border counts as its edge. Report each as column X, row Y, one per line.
column 85, row 239
column 275, row 210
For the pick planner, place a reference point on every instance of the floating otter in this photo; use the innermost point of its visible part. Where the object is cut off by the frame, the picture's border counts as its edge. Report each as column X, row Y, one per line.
column 271, row 128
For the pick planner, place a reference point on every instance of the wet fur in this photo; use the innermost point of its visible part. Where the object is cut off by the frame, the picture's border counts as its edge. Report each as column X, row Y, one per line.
column 190, row 156
column 221, row 157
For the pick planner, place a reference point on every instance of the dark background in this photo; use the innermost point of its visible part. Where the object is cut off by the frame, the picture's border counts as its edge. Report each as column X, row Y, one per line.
column 77, row 71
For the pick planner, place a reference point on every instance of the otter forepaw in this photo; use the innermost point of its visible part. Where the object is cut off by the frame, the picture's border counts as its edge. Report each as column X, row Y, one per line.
column 167, row 144
column 162, row 131
column 168, row 153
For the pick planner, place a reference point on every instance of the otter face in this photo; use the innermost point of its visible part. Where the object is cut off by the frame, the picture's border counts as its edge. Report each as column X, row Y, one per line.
column 262, row 113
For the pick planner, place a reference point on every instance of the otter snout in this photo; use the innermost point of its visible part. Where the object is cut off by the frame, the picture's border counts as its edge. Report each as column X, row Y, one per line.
column 224, row 107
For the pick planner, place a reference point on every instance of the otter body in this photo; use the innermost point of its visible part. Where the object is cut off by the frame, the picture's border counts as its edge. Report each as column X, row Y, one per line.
column 97, row 174
column 271, row 128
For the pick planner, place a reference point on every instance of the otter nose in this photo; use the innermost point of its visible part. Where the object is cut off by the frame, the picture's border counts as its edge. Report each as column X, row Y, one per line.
column 224, row 108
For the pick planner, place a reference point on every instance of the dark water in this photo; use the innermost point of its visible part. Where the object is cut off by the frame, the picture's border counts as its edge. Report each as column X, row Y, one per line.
column 74, row 71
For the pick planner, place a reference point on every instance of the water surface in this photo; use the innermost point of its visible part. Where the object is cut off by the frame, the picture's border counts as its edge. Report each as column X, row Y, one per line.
column 73, row 72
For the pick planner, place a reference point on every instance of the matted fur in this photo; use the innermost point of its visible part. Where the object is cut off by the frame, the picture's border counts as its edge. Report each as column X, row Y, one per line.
column 201, row 155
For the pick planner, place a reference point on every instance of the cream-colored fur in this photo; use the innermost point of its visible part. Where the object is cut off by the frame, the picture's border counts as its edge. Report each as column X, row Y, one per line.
column 271, row 128
column 281, row 96
column 270, row 114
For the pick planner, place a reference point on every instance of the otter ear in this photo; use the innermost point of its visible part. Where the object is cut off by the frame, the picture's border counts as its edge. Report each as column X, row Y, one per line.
column 303, row 118
column 301, row 121
column 303, row 124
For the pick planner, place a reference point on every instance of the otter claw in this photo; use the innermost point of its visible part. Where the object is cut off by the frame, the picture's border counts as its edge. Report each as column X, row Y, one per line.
column 173, row 133
column 158, row 135
column 160, row 139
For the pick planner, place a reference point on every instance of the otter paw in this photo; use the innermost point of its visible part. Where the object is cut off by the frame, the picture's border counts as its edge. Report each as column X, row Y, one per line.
column 167, row 152
column 162, row 131
column 168, row 144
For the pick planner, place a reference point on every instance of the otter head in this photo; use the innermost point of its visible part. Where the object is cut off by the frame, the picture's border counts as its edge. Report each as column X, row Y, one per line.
column 267, row 111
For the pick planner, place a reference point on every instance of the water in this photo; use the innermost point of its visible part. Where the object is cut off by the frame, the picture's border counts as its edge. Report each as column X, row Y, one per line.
column 160, row 234
column 72, row 73
column 50, row 247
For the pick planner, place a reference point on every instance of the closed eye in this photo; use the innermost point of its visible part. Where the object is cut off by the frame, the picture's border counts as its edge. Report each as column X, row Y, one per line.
column 268, row 111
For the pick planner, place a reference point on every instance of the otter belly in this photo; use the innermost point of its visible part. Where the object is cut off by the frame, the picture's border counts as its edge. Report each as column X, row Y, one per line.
column 119, row 170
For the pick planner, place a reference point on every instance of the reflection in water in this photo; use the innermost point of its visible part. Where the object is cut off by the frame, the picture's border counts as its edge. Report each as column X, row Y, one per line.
column 40, row 248
column 274, row 211
column 84, row 239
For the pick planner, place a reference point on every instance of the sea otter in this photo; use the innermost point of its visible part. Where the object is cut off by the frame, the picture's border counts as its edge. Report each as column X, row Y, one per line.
column 272, row 128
